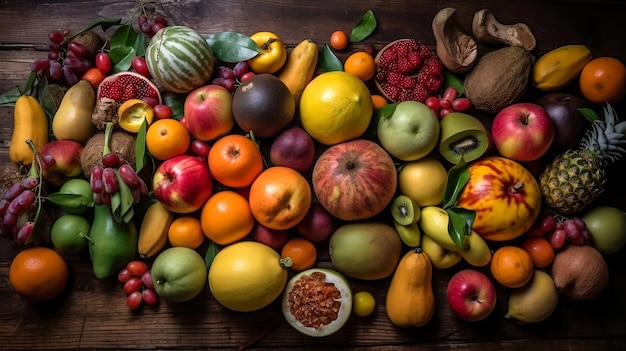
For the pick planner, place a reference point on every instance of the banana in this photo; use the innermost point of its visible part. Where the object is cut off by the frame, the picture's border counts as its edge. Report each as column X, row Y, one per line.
column 300, row 67
column 477, row 254
column 434, row 223
column 535, row 301
column 409, row 234
column 440, row 257
column 153, row 231
column 559, row 67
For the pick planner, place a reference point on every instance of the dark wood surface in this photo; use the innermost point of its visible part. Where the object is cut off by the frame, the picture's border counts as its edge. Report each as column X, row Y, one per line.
column 91, row 314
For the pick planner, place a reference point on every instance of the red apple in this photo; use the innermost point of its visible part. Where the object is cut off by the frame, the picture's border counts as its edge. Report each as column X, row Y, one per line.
column 522, row 131
column 293, row 148
column 182, row 184
column 354, row 180
column 61, row 161
column 471, row 295
column 274, row 238
column 208, row 112
column 318, row 224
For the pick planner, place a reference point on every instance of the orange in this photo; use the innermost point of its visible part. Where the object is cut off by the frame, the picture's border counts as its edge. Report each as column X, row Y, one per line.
column 186, row 231
column 540, row 251
column 302, row 253
column 511, row 266
column 280, row 197
column 38, row 274
column 338, row 40
column 378, row 101
column 235, row 161
column 226, row 217
column 94, row 76
column 360, row 64
column 132, row 113
column 603, row 79
column 167, row 138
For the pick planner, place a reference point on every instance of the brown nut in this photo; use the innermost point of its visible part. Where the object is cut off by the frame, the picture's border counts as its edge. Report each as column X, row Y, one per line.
column 488, row 30
column 456, row 50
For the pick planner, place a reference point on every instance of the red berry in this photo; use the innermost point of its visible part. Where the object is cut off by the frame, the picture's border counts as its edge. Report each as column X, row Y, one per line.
column 246, row 76
column 200, row 148
column 137, row 268
column 444, row 112
column 445, row 103
column 150, row 297
column 103, row 62
column 134, row 299
column 140, row 66
column 450, row 94
column 124, row 275
column 461, row 104
column 162, row 111
column 432, row 102
column 146, row 279
column 133, row 284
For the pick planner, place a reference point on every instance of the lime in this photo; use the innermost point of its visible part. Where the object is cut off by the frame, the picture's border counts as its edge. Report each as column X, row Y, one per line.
column 363, row 303
column 70, row 233
column 77, row 204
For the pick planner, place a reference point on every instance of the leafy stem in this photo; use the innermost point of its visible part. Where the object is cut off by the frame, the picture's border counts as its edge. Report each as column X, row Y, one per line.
column 108, row 132
column 460, row 219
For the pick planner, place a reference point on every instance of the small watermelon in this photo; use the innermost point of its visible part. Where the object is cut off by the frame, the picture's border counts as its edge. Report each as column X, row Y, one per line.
column 179, row 59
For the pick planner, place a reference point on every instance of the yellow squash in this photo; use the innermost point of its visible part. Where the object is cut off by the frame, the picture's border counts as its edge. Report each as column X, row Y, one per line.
column 73, row 118
column 410, row 298
column 559, row 67
column 300, row 67
column 153, row 232
column 29, row 122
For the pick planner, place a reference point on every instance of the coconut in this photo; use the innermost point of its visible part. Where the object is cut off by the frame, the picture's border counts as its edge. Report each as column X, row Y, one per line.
column 499, row 79
column 121, row 142
column 580, row 272
column 92, row 41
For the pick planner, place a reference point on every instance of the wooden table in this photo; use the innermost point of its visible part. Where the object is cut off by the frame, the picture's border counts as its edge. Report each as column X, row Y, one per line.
column 92, row 314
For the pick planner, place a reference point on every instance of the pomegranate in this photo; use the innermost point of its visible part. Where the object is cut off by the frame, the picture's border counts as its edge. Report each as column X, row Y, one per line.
column 408, row 70
column 505, row 197
column 354, row 180
column 124, row 86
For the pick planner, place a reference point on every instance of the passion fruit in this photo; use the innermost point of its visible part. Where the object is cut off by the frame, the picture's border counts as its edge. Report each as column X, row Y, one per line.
column 317, row 302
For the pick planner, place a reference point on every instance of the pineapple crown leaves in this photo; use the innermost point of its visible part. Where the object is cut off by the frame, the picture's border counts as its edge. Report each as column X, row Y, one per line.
column 606, row 137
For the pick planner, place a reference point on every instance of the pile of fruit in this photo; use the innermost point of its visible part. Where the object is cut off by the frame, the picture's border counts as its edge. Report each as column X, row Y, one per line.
column 179, row 163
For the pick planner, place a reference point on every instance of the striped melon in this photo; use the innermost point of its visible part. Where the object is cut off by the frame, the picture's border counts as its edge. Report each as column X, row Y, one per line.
column 179, row 59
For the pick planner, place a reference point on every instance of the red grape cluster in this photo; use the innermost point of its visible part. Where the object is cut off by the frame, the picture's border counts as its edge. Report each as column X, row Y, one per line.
column 104, row 179
column 231, row 78
column 559, row 230
column 66, row 60
column 137, row 280
column 18, row 207
column 150, row 25
column 448, row 102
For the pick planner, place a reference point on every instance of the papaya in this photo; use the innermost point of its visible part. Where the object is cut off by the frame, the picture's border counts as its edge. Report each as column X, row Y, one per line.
column 111, row 244
column 29, row 123
column 410, row 300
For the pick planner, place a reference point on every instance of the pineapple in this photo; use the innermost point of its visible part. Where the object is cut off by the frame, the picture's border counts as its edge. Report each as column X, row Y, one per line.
column 574, row 179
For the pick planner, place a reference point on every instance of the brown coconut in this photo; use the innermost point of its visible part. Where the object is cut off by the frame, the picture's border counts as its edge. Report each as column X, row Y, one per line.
column 580, row 272
column 121, row 142
column 499, row 79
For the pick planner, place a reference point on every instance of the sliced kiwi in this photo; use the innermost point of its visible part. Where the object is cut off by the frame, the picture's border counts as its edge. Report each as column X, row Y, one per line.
column 404, row 210
column 462, row 136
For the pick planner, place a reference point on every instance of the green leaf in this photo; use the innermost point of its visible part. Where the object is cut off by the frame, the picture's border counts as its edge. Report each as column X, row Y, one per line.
column 140, row 46
column 127, row 199
column 211, row 252
column 176, row 102
column 458, row 176
column 365, row 27
column 232, row 47
column 70, row 201
column 140, row 146
column 589, row 114
column 124, row 36
column 121, row 58
column 460, row 225
column 10, row 97
column 329, row 61
column 451, row 80
column 384, row 112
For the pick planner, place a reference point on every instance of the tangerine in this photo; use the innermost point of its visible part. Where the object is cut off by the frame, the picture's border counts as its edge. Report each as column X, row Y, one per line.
column 235, row 161
column 93, row 76
column 38, row 274
column 603, row 79
column 378, row 101
column 360, row 64
column 339, row 40
column 226, row 217
column 540, row 251
column 511, row 266
column 186, row 231
column 302, row 252
column 167, row 138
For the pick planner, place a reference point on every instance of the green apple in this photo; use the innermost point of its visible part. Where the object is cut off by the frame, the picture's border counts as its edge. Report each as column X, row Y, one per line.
column 608, row 228
column 179, row 274
column 410, row 132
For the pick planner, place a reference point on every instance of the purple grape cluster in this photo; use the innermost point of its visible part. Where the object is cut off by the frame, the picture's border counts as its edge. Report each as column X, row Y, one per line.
column 150, row 25
column 231, row 78
column 104, row 181
column 560, row 230
column 17, row 208
column 66, row 60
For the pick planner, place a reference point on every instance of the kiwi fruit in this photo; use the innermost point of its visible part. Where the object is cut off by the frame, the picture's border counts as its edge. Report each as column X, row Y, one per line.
column 404, row 210
column 462, row 136
column 580, row 272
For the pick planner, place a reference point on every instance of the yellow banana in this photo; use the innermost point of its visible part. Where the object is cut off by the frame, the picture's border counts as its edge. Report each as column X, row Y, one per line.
column 409, row 234
column 29, row 122
column 153, row 231
column 559, row 67
column 477, row 254
column 300, row 67
column 535, row 301
column 434, row 223
column 440, row 257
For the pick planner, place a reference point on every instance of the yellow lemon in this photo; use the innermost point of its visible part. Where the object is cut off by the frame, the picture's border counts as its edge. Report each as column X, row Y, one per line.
column 424, row 181
column 335, row 107
column 132, row 113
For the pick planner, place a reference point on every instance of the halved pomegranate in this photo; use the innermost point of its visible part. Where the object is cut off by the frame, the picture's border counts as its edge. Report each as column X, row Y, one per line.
column 124, row 86
column 408, row 70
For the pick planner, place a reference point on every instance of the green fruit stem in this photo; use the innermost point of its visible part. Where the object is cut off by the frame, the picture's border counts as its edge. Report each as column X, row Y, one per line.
column 107, row 138
column 286, row 262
